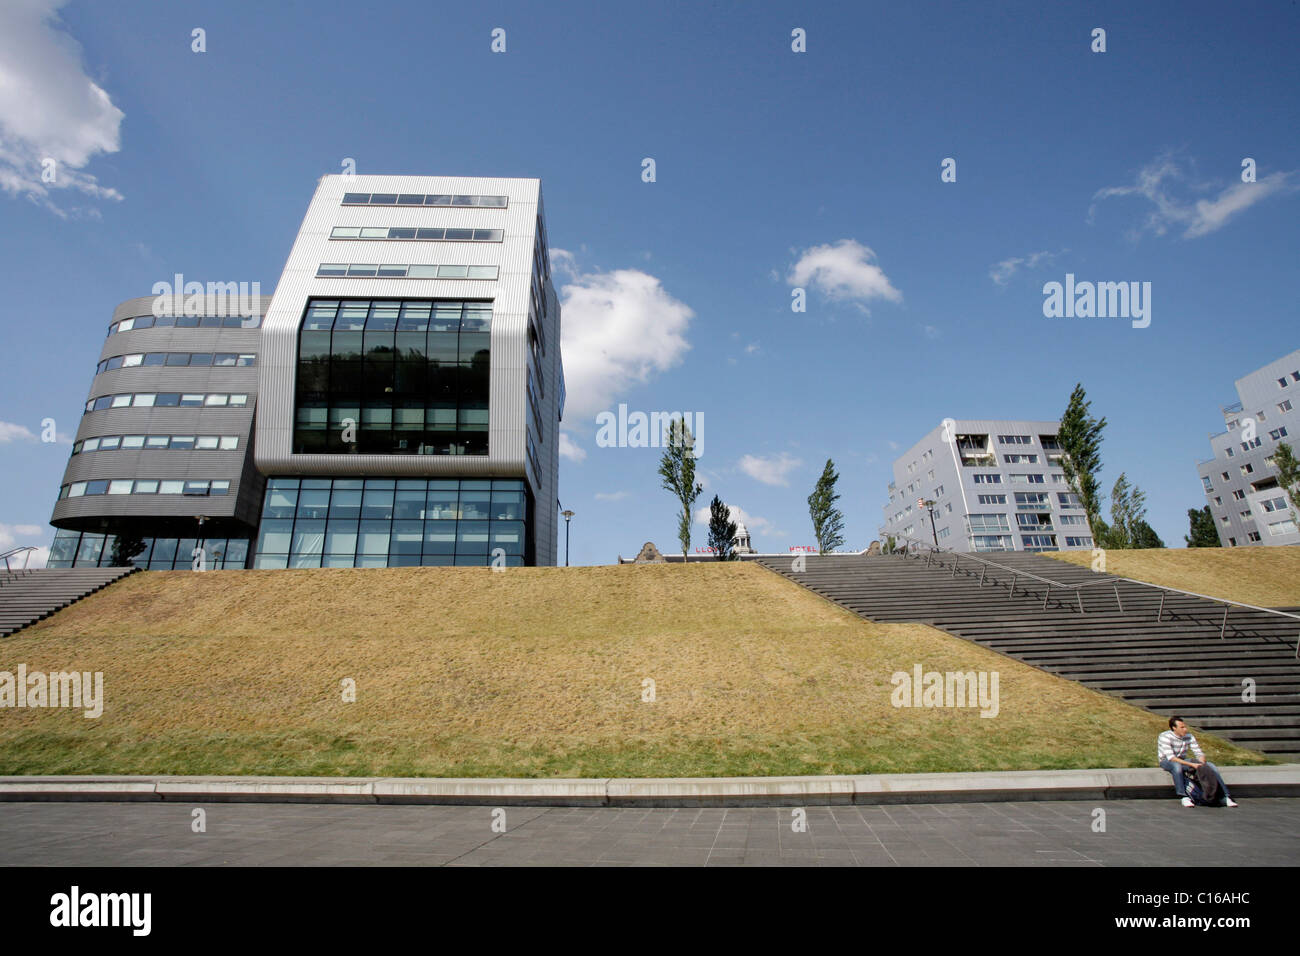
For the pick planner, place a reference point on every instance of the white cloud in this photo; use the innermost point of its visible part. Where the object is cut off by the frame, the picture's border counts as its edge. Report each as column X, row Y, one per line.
column 931, row 332
column 570, row 449
column 9, row 538
column 739, row 515
column 11, row 432
column 751, row 348
column 893, row 445
column 843, row 271
column 612, row 495
column 49, row 108
column 621, row 328
column 770, row 471
column 1002, row 272
column 1198, row 217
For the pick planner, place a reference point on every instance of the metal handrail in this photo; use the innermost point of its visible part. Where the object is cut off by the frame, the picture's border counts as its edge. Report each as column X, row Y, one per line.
column 1112, row 580
column 26, row 551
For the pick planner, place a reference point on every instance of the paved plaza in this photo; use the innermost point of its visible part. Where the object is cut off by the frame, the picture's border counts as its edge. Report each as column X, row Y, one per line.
column 1261, row 832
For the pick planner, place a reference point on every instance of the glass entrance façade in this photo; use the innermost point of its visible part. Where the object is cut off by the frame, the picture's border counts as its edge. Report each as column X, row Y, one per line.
column 388, row 522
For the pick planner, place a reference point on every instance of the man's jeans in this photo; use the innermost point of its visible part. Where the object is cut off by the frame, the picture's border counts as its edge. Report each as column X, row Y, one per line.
column 1178, row 771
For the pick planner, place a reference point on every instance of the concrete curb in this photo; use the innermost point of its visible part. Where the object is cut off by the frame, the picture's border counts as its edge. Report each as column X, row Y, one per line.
column 1121, row 784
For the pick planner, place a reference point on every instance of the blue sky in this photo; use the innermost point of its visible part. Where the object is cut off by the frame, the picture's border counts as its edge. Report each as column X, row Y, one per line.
column 773, row 169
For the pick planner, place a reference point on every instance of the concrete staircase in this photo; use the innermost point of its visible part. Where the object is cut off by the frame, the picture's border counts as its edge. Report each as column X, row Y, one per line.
column 29, row 596
column 1179, row 665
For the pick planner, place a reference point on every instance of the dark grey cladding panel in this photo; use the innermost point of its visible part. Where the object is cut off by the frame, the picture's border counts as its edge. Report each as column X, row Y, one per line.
column 167, row 421
column 181, row 340
column 145, row 506
column 155, row 464
column 162, row 378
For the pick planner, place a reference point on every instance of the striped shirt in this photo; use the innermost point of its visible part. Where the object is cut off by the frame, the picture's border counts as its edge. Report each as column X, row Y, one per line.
column 1169, row 745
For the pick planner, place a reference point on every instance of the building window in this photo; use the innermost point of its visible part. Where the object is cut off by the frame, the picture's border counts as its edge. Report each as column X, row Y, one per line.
column 943, row 533
column 1039, row 542
column 1027, row 479
column 1015, row 440
column 138, row 322
column 988, row 479
column 177, row 359
column 992, row 499
column 1252, row 536
column 1239, row 495
column 1282, row 382
column 165, row 400
column 1078, row 542
column 371, row 270
column 1277, row 433
column 1284, row 406
column 418, row 199
column 988, row 523
column 1253, row 443
column 393, row 377
column 386, row 522
column 993, row 542
column 1273, row 504
column 1247, row 469
column 145, row 486
column 157, row 442
column 1072, row 520
column 419, row 235
column 1277, row 528
column 1020, row 459
column 1069, row 500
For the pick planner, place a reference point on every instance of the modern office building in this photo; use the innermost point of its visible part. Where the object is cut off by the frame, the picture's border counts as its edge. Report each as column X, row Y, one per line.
column 1240, row 481
column 996, row 486
column 166, row 438
column 398, row 405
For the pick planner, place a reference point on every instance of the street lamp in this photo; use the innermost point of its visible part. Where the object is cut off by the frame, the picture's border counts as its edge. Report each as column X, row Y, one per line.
column 568, row 515
column 928, row 505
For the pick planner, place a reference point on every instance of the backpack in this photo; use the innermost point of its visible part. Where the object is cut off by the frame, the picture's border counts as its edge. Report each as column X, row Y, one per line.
column 1203, row 787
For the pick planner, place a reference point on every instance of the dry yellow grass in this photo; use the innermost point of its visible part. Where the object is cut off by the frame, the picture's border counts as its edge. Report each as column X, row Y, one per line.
column 1265, row 576
column 529, row 672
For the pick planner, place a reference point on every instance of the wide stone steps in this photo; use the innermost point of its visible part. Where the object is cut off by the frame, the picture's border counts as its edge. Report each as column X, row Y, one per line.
column 30, row 596
column 1177, row 664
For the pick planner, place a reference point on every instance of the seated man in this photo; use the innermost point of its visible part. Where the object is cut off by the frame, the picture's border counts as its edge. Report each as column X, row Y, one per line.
column 1172, row 749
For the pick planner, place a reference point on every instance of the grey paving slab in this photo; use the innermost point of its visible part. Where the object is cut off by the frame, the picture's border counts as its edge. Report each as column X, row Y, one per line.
column 1261, row 832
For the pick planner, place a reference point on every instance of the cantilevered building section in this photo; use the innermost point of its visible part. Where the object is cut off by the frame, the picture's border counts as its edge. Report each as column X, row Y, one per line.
column 411, row 381
column 1240, row 481
column 996, row 486
column 166, row 438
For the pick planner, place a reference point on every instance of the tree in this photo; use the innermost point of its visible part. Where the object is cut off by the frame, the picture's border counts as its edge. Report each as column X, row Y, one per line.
column 1128, row 512
column 722, row 530
column 677, row 470
column 1080, row 439
column 125, row 547
column 827, row 521
column 1144, row 536
column 1201, row 532
column 1288, row 474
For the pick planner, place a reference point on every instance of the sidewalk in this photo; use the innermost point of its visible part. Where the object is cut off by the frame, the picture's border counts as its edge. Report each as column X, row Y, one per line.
column 1007, row 786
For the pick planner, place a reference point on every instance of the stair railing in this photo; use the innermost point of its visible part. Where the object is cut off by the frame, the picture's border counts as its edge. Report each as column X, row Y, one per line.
column 915, row 544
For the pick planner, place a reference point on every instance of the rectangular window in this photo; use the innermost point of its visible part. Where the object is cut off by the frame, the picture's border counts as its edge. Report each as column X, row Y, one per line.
column 988, row 479
column 993, row 499
column 988, row 523
column 1277, row 528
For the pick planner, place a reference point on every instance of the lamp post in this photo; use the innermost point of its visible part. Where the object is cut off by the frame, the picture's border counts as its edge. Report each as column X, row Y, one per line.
column 568, row 515
column 928, row 505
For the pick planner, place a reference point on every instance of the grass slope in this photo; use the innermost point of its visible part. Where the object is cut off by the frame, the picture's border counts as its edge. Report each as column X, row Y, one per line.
column 532, row 672
column 1267, row 577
